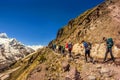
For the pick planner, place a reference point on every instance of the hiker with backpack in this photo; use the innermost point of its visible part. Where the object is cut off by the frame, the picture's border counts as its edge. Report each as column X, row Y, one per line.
column 62, row 49
column 59, row 48
column 70, row 46
column 109, row 45
column 66, row 46
column 87, row 47
column 54, row 47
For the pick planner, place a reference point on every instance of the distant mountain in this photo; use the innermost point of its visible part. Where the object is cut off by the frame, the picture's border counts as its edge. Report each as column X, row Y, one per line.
column 36, row 47
column 11, row 50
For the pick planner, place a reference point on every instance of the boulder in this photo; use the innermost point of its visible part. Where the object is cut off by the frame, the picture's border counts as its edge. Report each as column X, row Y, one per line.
column 91, row 77
column 65, row 66
column 73, row 74
column 104, row 71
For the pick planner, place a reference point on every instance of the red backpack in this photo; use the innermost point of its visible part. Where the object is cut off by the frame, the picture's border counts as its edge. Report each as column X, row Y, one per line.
column 66, row 45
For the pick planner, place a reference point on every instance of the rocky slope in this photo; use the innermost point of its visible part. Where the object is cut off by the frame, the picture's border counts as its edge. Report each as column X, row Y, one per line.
column 11, row 50
column 92, row 26
column 48, row 65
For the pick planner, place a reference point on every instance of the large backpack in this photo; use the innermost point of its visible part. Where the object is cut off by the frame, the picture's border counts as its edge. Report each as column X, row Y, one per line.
column 87, row 45
column 110, row 42
column 66, row 46
column 62, row 47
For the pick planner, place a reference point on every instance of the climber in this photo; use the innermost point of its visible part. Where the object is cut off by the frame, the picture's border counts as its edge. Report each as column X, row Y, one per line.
column 109, row 45
column 87, row 47
column 59, row 48
column 62, row 49
column 70, row 46
column 54, row 47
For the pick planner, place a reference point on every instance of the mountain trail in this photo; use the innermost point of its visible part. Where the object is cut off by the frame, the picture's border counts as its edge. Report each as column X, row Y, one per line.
column 98, row 69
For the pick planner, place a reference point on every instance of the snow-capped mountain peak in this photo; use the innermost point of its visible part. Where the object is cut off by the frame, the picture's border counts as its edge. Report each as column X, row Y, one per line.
column 3, row 35
column 11, row 50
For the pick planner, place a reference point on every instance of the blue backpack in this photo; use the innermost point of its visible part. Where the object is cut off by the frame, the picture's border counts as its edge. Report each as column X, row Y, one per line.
column 85, row 44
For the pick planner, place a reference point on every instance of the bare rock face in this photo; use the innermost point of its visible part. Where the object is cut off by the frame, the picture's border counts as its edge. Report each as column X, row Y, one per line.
column 11, row 50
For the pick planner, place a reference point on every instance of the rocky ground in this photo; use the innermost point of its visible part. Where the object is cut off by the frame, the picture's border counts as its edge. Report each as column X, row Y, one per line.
column 55, row 66
column 77, row 69
column 99, row 70
column 102, row 71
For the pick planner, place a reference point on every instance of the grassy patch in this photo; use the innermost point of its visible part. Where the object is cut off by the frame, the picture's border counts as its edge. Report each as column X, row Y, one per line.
column 27, row 65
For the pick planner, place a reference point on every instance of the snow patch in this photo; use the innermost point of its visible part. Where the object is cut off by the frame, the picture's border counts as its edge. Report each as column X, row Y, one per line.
column 35, row 47
column 3, row 35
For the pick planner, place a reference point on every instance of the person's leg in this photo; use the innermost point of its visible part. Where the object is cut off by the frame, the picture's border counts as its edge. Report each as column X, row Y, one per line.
column 70, row 52
column 52, row 48
column 86, row 55
column 90, row 56
column 106, row 54
column 63, row 51
column 112, row 57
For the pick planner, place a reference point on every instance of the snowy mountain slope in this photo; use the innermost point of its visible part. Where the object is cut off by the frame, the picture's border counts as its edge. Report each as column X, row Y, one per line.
column 11, row 50
column 36, row 47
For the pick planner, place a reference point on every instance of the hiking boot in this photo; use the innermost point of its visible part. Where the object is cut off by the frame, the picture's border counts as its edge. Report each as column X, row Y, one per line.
column 86, row 61
column 113, row 59
column 93, row 61
column 104, row 61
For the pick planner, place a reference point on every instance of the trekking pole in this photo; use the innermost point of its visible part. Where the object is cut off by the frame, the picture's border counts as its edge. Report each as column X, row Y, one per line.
column 98, row 48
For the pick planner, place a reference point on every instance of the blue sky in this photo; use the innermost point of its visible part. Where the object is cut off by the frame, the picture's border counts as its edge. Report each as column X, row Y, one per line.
column 35, row 22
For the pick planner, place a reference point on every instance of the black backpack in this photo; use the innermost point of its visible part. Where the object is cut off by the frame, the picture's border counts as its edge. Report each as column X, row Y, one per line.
column 69, row 46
